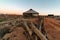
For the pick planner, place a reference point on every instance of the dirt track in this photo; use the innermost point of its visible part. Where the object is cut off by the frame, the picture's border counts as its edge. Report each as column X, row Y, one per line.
column 52, row 27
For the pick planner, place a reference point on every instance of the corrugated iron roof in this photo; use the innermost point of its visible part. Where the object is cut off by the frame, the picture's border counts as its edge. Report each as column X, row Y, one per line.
column 31, row 11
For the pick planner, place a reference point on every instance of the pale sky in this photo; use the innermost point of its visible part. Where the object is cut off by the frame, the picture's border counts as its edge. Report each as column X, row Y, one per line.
column 42, row 6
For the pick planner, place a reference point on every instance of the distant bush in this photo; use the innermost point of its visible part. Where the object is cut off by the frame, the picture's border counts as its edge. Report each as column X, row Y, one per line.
column 2, row 20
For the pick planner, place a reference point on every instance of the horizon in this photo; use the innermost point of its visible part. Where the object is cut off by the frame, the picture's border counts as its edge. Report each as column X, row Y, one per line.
column 44, row 7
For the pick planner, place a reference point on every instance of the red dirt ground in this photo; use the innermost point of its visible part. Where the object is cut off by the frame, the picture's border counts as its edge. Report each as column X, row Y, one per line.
column 16, row 34
column 52, row 27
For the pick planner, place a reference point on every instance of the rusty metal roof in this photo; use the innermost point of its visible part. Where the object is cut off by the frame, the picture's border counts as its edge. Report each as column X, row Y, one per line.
column 31, row 11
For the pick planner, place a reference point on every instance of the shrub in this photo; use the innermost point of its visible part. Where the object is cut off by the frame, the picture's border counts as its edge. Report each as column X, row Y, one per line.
column 3, row 32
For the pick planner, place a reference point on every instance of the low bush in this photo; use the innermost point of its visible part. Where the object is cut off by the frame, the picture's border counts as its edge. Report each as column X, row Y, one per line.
column 3, row 32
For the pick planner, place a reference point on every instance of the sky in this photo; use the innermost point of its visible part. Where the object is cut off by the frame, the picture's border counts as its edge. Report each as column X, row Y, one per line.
column 44, row 7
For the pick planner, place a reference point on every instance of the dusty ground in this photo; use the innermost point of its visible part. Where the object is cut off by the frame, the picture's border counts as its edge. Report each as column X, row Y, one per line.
column 16, row 34
column 52, row 27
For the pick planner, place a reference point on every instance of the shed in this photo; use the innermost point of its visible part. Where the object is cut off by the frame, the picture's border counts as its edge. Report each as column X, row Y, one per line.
column 51, row 15
column 30, row 13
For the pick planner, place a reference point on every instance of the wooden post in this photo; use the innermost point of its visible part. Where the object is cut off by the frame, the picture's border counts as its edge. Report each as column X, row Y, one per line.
column 38, row 33
column 28, row 29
